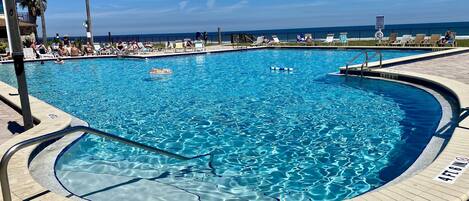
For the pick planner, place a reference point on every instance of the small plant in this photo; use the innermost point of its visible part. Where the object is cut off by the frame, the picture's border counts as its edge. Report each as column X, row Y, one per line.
column 3, row 47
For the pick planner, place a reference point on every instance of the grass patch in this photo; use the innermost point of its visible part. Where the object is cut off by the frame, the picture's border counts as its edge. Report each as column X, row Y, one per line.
column 463, row 43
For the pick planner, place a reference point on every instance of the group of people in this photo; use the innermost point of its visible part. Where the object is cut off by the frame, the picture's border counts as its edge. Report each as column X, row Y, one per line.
column 130, row 47
column 63, row 48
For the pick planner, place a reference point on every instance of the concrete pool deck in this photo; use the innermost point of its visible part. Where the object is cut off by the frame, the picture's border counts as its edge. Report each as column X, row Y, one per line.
column 11, row 122
column 441, row 180
column 23, row 186
column 51, row 119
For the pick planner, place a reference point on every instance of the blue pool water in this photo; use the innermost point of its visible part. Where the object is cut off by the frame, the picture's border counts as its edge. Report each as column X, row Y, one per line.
column 304, row 135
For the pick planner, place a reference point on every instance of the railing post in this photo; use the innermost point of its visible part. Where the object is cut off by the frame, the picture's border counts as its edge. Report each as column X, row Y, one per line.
column 346, row 70
column 380, row 59
column 4, row 177
column 366, row 59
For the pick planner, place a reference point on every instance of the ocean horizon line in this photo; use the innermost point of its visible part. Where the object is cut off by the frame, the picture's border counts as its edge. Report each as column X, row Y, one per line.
column 395, row 26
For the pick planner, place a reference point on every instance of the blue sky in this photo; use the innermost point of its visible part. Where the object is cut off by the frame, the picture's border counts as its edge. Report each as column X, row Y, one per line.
column 170, row 16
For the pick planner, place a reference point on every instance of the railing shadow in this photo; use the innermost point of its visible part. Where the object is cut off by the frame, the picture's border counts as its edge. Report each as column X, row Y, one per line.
column 164, row 175
column 463, row 116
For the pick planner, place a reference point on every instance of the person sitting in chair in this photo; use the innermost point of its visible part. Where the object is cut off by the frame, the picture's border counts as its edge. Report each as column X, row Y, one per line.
column 449, row 36
column 89, row 50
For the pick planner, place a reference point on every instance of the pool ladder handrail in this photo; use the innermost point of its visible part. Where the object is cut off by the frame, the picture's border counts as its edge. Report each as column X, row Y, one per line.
column 4, row 182
column 367, row 59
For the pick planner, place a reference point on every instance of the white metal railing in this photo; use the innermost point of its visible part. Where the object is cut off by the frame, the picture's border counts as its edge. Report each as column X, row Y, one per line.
column 366, row 61
column 11, row 151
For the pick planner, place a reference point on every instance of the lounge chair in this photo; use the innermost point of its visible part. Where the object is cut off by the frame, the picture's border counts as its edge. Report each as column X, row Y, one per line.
column 142, row 48
column 169, row 46
column 259, row 41
column 179, row 46
column 391, row 39
column 300, row 38
column 188, row 45
column 29, row 53
column 403, row 41
column 419, row 40
column 434, row 40
column 199, row 46
column 309, row 39
column 275, row 40
column 329, row 39
column 46, row 56
column 97, row 49
column 343, row 38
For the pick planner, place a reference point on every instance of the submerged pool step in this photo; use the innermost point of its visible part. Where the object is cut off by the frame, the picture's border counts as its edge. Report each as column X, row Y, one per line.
column 103, row 187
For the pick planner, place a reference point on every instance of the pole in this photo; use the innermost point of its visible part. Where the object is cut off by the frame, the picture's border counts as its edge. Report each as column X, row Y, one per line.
column 43, row 22
column 18, row 58
column 89, row 28
column 219, row 36
column 7, row 27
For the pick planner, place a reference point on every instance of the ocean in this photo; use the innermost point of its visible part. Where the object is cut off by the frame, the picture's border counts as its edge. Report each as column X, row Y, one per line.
column 357, row 32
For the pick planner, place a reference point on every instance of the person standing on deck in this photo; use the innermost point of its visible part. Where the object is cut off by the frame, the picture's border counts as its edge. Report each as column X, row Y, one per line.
column 205, row 35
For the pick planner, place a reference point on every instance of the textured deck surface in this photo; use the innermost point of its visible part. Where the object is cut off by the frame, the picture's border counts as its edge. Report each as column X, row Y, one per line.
column 11, row 122
column 454, row 67
column 446, row 178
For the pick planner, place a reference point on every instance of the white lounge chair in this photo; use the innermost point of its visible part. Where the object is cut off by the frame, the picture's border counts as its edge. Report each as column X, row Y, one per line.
column 169, row 46
column 405, row 39
column 309, row 39
column 259, row 41
column 275, row 39
column 329, row 39
column 97, row 49
column 142, row 48
column 29, row 53
column 179, row 46
column 46, row 56
column 107, row 50
column 199, row 46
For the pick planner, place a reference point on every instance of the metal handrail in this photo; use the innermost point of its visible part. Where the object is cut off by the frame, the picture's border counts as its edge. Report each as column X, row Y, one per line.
column 51, row 136
column 367, row 59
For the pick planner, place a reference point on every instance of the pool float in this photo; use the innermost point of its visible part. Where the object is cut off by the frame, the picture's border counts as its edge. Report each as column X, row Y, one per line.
column 281, row 68
column 161, row 71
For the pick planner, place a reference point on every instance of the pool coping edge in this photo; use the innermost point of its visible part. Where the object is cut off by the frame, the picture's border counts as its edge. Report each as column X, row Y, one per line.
column 422, row 184
column 50, row 119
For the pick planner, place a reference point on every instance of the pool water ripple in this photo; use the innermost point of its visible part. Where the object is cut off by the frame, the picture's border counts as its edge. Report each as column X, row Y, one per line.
column 304, row 135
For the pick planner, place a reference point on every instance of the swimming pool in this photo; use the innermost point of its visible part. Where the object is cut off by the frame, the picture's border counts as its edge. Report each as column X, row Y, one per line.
column 275, row 135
